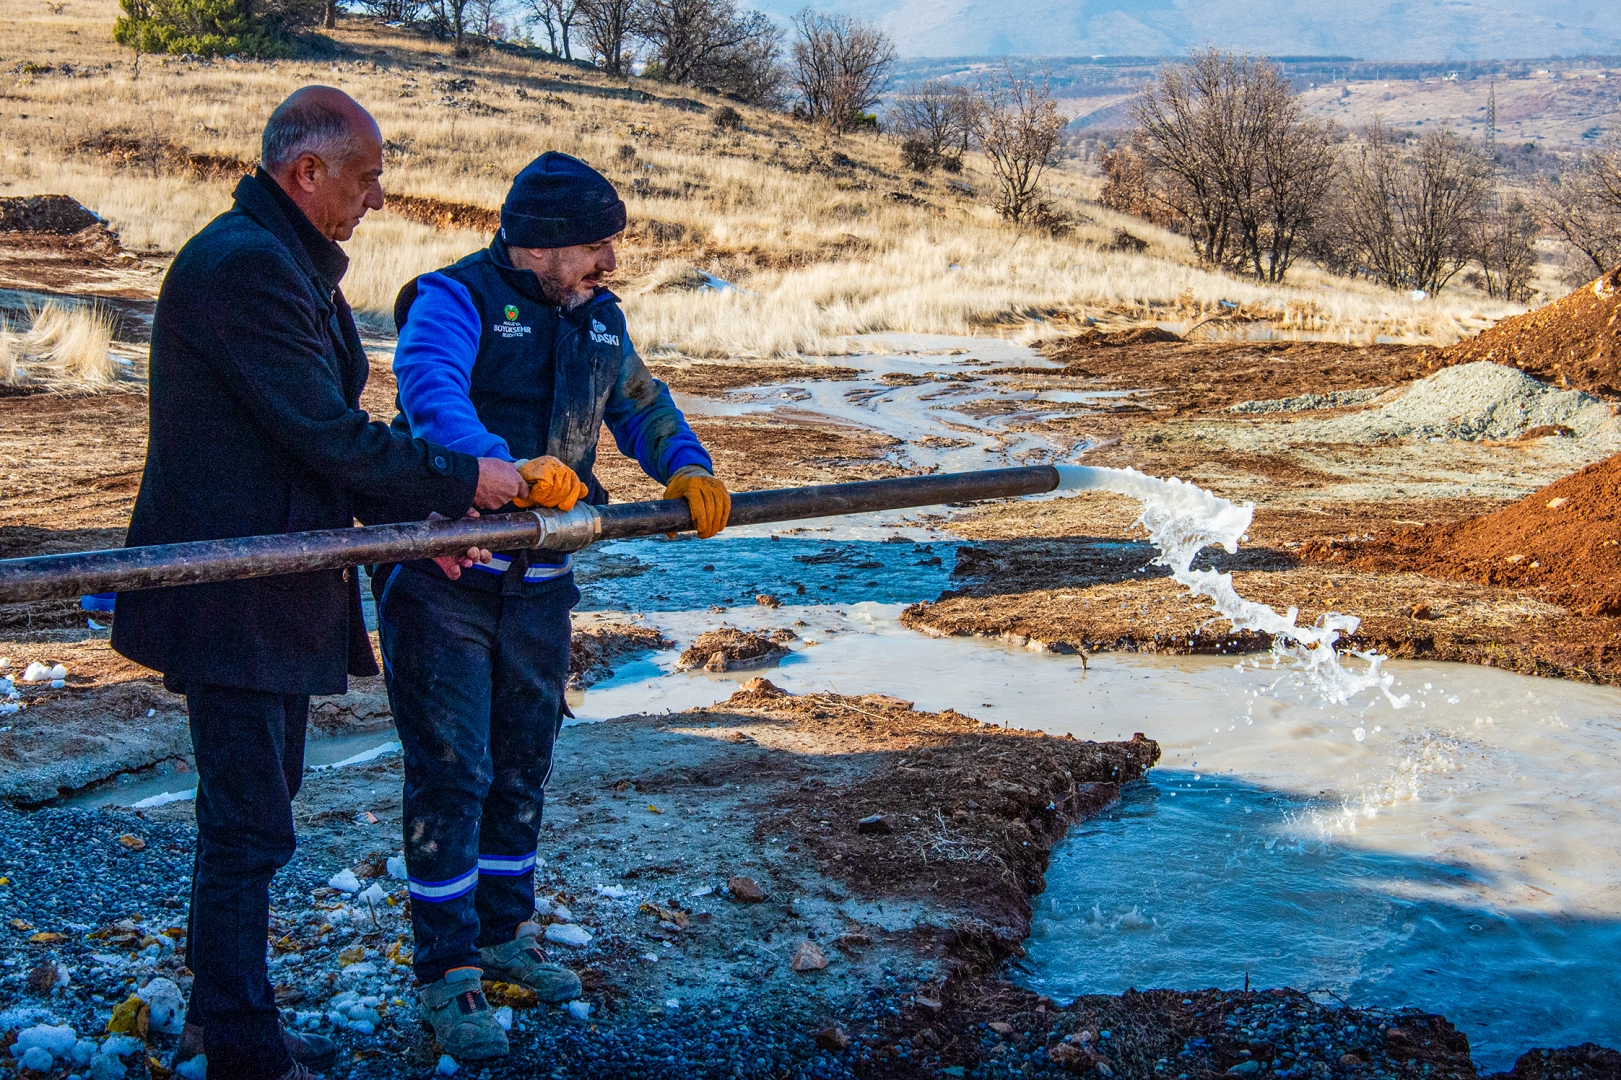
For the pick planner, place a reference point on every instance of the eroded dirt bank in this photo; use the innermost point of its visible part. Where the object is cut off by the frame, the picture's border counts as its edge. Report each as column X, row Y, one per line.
column 775, row 885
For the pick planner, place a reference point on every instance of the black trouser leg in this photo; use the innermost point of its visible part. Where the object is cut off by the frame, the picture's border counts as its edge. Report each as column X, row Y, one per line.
column 249, row 748
column 476, row 683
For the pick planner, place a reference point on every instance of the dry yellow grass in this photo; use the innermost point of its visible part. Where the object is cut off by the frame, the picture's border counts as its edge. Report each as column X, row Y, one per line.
column 61, row 348
column 830, row 236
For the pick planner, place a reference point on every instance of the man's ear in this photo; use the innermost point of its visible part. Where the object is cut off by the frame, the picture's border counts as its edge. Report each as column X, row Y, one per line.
column 305, row 172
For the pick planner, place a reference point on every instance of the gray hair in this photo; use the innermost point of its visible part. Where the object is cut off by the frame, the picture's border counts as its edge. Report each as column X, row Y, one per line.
column 306, row 125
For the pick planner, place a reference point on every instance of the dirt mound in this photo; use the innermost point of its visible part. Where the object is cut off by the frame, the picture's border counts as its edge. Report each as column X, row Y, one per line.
column 130, row 151
column 1473, row 402
column 595, row 649
column 1574, row 342
column 730, row 650
column 442, row 214
column 1091, row 337
column 1560, row 545
column 59, row 214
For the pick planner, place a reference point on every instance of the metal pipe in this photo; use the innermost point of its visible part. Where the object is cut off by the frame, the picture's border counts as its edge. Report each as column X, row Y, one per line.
column 127, row 569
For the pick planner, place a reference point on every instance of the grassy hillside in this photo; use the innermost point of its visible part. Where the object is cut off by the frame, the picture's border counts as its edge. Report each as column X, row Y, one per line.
column 829, row 236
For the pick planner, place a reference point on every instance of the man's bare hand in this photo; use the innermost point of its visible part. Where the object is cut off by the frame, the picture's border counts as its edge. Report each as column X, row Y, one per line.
column 498, row 484
column 453, row 565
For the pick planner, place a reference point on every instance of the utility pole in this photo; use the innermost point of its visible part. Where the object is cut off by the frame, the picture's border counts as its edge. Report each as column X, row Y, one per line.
column 1491, row 120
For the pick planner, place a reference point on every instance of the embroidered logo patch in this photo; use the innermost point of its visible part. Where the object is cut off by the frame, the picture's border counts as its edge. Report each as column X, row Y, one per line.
column 599, row 334
column 512, row 328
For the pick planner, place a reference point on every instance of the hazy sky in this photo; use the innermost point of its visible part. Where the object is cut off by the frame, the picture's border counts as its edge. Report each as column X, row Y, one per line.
column 1367, row 29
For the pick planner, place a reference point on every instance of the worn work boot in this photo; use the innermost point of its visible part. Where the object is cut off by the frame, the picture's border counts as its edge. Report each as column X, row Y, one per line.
column 310, row 1051
column 521, row 961
column 462, row 1021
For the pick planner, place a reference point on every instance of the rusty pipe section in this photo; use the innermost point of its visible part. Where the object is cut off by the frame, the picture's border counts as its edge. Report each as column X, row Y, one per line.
column 160, row 566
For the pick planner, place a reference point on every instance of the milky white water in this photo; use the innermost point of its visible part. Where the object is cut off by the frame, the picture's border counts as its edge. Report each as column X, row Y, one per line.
column 1458, row 855
column 1394, row 833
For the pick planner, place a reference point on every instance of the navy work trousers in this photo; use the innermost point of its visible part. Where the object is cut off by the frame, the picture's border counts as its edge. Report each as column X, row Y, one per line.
column 476, row 682
column 249, row 748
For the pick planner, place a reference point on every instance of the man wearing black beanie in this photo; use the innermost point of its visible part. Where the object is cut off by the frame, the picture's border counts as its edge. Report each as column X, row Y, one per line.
column 515, row 352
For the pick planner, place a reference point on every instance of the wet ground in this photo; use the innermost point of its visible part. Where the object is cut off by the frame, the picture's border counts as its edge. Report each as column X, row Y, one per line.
column 1064, row 578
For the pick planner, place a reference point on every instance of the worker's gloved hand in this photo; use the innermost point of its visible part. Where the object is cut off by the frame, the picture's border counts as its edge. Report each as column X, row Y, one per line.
column 706, row 497
column 551, row 483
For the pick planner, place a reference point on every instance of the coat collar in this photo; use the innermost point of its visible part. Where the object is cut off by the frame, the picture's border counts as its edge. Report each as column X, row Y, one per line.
column 261, row 198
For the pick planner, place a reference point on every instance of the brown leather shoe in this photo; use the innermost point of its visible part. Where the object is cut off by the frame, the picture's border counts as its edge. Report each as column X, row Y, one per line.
column 309, row 1051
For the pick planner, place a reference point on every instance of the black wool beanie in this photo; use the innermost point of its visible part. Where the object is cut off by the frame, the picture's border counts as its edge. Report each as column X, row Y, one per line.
column 560, row 201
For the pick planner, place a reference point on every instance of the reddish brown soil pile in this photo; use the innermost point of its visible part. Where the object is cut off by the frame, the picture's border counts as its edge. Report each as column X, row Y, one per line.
column 1562, row 545
column 1575, row 342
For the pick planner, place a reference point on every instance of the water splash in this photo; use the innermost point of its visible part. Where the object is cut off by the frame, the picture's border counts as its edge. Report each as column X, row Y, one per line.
column 1182, row 520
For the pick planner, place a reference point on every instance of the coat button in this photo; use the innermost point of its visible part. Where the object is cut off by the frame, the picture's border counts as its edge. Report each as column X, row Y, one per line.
column 439, row 462
column 346, row 575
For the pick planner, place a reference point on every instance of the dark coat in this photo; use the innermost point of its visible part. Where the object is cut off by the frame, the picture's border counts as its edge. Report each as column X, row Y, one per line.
column 256, row 428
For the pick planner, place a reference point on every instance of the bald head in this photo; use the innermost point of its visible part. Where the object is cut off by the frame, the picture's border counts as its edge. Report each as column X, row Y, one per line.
column 326, row 152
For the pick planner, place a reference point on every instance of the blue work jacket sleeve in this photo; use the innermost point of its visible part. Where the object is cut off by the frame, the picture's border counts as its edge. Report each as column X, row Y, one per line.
column 433, row 364
column 646, row 425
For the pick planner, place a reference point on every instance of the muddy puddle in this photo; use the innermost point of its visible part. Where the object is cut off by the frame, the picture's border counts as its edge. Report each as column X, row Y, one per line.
column 1456, row 854
column 174, row 781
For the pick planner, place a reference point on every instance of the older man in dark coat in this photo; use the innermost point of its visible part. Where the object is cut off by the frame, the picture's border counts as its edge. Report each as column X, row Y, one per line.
column 257, row 370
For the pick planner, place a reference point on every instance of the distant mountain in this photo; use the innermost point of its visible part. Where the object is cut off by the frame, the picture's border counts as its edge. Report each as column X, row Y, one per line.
column 1374, row 29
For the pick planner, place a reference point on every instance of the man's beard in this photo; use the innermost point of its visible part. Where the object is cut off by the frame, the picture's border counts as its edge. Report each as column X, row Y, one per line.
column 561, row 295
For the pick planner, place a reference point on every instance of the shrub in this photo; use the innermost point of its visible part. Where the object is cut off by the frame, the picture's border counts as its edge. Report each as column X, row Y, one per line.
column 726, row 118
column 214, row 27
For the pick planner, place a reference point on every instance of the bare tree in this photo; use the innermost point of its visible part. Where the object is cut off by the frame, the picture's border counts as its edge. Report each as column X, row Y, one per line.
column 1504, row 242
column 1409, row 207
column 394, row 11
column 1240, row 168
column 557, row 16
column 451, row 17
column 711, row 43
column 935, row 120
column 1019, row 129
column 840, row 66
column 1584, row 206
column 609, row 25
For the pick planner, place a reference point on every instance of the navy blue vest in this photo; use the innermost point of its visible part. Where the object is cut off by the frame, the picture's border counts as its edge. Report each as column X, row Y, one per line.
column 542, row 375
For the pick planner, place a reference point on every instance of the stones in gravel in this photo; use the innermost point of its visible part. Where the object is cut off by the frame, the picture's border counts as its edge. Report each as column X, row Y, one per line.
column 165, row 1005
column 579, row 1009
column 876, row 825
column 808, row 958
column 767, row 600
column 927, row 1003
column 833, row 1038
column 568, row 934
column 746, row 890
column 344, row 881
column 1001, row 1027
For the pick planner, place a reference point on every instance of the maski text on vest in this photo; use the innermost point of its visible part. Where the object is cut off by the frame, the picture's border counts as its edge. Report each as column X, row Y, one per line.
column 600, row 335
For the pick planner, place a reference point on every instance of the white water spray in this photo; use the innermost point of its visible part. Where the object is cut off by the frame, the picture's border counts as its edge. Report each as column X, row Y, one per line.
column 1182, row 520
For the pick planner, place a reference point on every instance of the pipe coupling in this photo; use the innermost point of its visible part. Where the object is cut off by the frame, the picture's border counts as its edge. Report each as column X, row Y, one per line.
column 570, row 530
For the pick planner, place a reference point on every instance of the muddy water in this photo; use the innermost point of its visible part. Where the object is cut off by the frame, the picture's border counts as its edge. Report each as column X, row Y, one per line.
column 1457, row 854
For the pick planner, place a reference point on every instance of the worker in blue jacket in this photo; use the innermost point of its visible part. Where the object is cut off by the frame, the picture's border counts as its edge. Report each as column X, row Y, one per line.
column 516, row 352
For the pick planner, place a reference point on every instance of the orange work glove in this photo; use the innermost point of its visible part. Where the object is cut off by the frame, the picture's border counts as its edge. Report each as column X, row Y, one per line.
column 551, row 483
column 706, row 497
